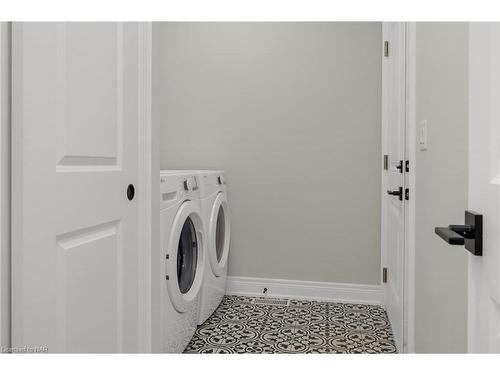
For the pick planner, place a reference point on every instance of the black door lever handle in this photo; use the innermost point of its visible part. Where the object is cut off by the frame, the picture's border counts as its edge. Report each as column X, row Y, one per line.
column 450, row 236
column 466, row 231
column 397, row 193
column 470, row 234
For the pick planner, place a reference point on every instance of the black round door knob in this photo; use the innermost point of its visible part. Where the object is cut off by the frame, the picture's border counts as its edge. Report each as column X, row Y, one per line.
column 130, row 192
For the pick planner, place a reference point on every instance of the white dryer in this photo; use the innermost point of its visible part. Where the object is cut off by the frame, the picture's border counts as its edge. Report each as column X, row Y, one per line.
column 183, row 264
column 215, row 211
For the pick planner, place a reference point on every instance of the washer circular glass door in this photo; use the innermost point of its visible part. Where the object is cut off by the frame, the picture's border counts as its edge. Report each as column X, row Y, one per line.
column 185, row 256
column 219, row 233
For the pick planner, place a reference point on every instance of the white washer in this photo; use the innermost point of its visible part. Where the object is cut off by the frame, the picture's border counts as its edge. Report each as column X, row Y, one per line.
column 215, row 211
column 217, row 224
column 183, row 264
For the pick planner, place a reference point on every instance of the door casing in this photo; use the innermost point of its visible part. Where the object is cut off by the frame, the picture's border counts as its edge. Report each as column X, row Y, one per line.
column 411, row 155
column 5, row 340
column 484, row 190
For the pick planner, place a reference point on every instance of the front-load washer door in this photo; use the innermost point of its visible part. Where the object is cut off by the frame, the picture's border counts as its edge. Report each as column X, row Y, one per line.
column 219, row 234
column 185, row 257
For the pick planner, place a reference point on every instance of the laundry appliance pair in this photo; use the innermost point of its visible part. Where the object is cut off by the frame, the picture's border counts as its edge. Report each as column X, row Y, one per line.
column 195, row 236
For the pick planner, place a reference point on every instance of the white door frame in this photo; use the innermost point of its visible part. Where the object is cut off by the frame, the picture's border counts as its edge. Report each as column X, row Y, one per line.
column 149, row 195
column 411, row 155
column 483, row 312
column 149, row 171
column 5, row 341
column 408, row 272
column 147, row 189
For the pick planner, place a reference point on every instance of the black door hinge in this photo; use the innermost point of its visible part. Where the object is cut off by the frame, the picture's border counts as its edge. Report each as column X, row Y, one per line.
column 400, row 166
column 386, row 48
column 384, row 274
column 407, row 166
column 407, row 194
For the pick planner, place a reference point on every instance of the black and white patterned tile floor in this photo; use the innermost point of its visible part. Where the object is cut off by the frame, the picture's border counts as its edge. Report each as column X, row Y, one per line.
column 254, row 325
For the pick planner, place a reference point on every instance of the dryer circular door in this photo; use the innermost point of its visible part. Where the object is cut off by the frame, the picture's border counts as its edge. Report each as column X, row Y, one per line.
column 219, row 234
column 185, row 256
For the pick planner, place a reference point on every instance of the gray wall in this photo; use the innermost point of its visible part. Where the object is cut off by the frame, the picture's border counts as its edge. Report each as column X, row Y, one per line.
column 441, row 183
column 291, row 112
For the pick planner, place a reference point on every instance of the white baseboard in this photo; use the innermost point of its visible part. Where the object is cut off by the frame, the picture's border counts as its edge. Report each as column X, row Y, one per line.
column 310, row 290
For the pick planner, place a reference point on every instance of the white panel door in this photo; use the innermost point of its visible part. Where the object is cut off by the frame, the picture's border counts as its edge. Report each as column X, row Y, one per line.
column 75, row 151
column 393, row 206
column 484, row 185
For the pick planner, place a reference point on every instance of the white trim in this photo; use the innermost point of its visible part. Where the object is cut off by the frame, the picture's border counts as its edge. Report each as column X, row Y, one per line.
column 411, row 153
column 154, row 276
column 147, row 179
column 17, row 201
column 5, row 269
column 309, row 290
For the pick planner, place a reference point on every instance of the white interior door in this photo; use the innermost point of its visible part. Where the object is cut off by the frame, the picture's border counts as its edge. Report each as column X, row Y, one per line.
column 75, row 151
column 484, row 184
column 393, row 178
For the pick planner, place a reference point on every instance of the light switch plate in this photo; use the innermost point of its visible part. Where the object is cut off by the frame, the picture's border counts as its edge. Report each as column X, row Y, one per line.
column 422, row 135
